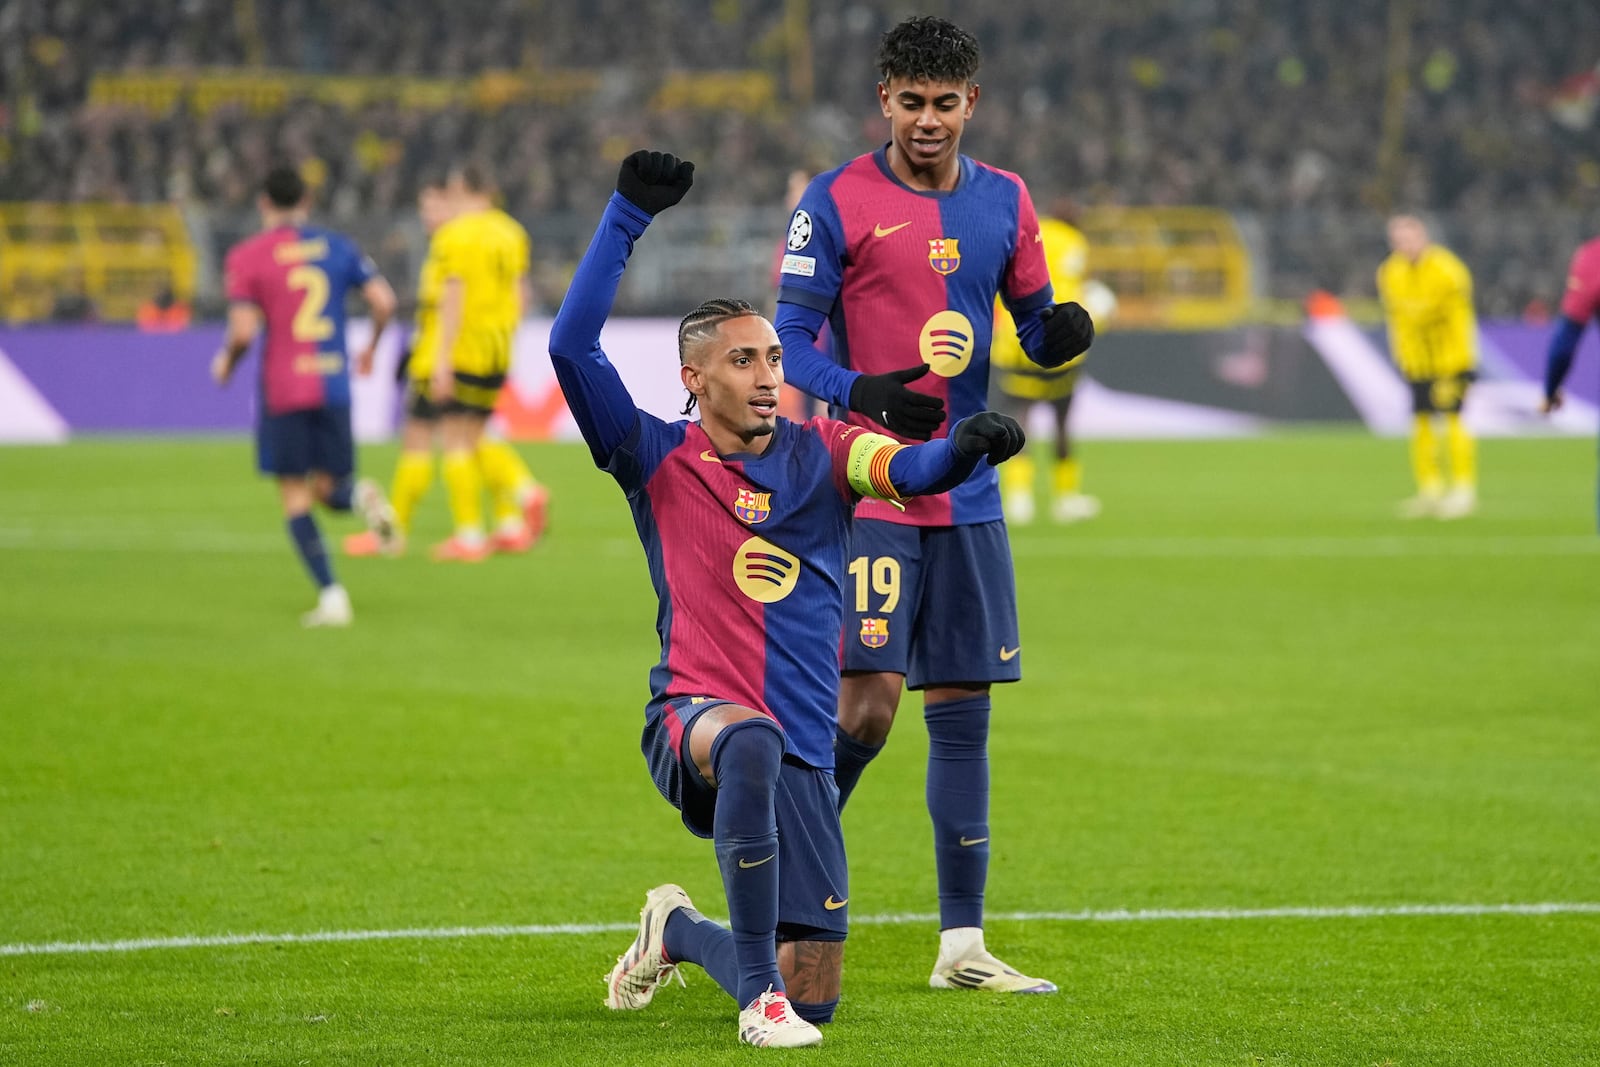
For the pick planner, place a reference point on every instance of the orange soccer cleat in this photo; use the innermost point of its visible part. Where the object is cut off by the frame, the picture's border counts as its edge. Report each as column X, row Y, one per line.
column 457, row 550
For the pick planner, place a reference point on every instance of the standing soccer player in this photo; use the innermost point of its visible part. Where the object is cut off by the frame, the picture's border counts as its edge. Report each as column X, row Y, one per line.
column 744, row 517
column 291, row 280
column 1433, row 337
column 1020, row 383
column 902, row 252
column 482, row 260
column 413, row 471
column 1579, row 304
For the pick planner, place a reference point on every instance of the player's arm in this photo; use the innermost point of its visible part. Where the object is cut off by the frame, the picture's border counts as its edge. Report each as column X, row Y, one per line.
column 649, row 182
column 381, row 304
column 1052, row 334
column 802, row 311
column 1558, row 360
column 881, row 467
column 452, row 303
column 244, row 323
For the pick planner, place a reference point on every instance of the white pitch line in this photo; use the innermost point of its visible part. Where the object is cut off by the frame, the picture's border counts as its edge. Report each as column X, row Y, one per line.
column 1354, row 911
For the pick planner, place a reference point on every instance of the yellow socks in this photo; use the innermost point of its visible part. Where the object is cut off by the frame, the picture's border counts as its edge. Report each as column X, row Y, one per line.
column 1425, row 457
column 413, row 475
column 1068, row 476
column 464, row 485
column 506, row 477
column 1463, row 454
column 1016, row 475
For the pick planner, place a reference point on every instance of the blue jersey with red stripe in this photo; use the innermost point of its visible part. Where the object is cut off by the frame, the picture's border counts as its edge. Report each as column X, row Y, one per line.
column 299, row 276
column 746, row 551
column 906, row 277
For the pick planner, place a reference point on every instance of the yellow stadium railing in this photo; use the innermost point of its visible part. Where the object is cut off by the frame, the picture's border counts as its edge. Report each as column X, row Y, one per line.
column 1170, row 267
column 115, row 255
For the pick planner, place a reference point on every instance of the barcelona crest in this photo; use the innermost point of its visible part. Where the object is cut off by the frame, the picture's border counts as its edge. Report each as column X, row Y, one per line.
column 943, row 255
column 874, row 632
column 752, row 507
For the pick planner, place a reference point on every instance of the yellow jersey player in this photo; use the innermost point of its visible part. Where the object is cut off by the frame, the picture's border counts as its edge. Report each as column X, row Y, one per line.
column 413, row 473
column 1020, row 383
column 1433, row 337
column 481, row 256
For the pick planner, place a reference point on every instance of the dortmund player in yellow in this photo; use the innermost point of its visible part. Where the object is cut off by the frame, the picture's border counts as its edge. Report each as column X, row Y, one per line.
column 481, row 259
column 1433, row 336
column 1020, row 383
column 413, row 473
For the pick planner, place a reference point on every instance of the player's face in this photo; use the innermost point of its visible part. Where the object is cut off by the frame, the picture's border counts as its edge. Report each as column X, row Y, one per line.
column 1407, row 236
column 926, row 119
column 737, row 376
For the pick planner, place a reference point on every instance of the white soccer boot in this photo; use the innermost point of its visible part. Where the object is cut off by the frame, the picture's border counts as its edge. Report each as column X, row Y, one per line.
column 1458, row 503
column 964, row 963
column 1074, row 507
column 770, row 1022
column 378, row 514
column 644, row 968
column 1018, row 507
column 1422, row 506
column 333, row 609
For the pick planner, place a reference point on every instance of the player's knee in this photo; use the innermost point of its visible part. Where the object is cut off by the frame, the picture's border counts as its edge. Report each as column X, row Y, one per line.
column 815, row 1013
column 753, row 748
column 867, row 706
column 959, row 727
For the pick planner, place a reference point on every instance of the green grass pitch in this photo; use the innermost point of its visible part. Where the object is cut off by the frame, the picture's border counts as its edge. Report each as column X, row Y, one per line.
column 1248, row 687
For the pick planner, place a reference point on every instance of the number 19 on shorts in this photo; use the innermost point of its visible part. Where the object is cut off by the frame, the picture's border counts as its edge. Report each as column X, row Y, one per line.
column 880, row 576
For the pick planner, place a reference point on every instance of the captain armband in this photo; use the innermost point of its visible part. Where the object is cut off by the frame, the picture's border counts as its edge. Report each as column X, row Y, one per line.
column 868, row 466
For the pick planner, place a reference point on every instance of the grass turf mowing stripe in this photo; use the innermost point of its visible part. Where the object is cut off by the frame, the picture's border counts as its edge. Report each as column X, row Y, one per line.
column 1354, row 911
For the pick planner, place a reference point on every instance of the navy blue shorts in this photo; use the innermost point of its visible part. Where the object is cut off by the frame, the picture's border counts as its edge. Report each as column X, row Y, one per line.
column 813, row 880
column 937, row 604
column 299, row 442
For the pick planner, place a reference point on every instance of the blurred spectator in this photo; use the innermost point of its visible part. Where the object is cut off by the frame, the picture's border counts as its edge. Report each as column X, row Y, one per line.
column 163, row 313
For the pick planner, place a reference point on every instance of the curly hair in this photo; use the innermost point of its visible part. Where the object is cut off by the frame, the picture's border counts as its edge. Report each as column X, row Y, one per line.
column 928, row 48
column 700, row 325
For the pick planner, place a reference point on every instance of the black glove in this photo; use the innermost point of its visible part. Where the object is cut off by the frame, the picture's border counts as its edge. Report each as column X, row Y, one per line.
column 885, row 398
column 1068, row 333
column 654, row 181
column 989, row 432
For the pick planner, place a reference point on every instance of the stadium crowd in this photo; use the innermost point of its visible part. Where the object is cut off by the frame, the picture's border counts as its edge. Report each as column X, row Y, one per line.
column 1270, row 110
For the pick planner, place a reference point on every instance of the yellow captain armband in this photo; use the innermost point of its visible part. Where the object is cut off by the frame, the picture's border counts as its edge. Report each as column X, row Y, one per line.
column 868, row 467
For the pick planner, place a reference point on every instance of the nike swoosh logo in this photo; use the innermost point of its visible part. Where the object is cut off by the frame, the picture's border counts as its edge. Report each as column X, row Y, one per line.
column 968, row 842
column 746, row 864
column 880, row 230
column 834, row 905
column 1009, row 654
column 710, row 456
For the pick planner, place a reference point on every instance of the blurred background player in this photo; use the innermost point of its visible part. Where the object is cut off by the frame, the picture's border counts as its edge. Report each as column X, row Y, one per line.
column 904, row 250
column 1020, row 383
column 290, row 281
column 413, row 471
column 481, row 255
column 1579, row 304
column 1433, row 337
column 745, row 518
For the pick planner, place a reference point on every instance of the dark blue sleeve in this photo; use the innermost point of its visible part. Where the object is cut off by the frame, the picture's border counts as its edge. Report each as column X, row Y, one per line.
column 1558, row 358
column 1030, row 327
column 808, row 286
column 598, row 400
column 931, row 468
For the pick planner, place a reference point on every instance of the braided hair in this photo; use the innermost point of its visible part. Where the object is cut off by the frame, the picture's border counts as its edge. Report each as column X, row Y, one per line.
column 701, row 324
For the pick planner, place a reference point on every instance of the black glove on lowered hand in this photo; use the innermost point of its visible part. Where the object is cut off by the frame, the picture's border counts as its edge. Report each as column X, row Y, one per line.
column 654, row 181
column 885, row 398
column 989, row 432
column 1068, row 333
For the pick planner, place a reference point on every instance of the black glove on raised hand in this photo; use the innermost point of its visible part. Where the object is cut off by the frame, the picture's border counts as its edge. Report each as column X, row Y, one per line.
column 1068, row 333
column 989, row 433
column 885, row 398
column 654, row 181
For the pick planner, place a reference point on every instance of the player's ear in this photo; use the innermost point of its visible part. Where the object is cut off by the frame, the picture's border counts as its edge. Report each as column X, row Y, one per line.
column 692, row 379
column 883, row 101
column 972, row 99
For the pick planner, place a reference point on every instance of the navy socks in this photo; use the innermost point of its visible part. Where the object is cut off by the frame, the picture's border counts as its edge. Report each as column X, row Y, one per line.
column 744, row 760
column 958, row 801
column 308, row 542
column 850, row 758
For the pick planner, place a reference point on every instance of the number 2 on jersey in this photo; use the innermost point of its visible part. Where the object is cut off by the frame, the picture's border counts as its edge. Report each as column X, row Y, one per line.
column 885, row 580
column 310, row 324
